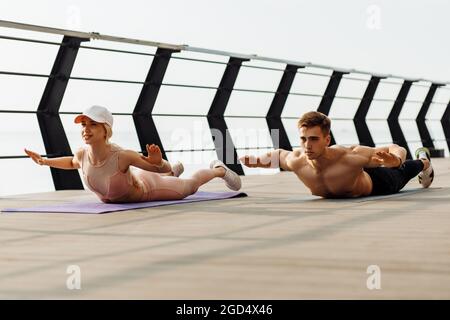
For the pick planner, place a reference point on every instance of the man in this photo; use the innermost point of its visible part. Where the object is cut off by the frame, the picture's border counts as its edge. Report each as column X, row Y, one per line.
column 345, row 172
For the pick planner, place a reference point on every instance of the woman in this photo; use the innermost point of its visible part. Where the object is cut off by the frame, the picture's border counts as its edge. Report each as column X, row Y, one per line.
column 106, row 167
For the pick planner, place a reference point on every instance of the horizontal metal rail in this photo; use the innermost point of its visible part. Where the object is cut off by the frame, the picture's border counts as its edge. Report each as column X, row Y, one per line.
column 87, row 35
column 117, row 51
column 177, row 47
column 170, row 150
column 11, row 73
column 156, row 115
column 30, row 40
column 25, row 74
column 208, row 149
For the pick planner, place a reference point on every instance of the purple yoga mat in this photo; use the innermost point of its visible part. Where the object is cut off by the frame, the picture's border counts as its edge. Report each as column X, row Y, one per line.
column 100, row 207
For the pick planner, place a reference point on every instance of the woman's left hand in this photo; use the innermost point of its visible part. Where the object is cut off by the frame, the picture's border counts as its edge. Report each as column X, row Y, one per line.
column 154, row 155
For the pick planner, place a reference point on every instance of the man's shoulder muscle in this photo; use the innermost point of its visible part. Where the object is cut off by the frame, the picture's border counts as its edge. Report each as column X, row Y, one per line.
column 295, row 159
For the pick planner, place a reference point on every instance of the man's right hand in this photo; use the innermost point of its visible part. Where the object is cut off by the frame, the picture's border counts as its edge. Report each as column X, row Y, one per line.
column 250, row 161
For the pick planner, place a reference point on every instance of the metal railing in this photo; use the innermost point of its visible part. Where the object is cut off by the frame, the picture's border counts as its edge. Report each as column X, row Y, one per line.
column 54, row 136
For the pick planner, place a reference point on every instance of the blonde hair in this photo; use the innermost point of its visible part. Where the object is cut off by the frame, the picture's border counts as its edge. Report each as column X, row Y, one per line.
column 108, row 131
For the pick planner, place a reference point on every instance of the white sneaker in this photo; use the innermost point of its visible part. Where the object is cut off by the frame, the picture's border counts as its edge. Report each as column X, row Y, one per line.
column 425, row 177
column 232, row 179
column 177, row 169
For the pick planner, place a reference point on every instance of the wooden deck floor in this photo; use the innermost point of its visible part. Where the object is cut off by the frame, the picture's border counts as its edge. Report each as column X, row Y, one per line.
column 279, row 243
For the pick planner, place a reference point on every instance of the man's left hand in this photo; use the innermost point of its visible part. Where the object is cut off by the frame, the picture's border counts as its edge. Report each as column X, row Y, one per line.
column 387, row 159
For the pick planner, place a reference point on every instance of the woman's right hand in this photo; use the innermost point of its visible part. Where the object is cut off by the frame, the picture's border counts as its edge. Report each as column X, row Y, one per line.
column 35, row 157
column 154, row 156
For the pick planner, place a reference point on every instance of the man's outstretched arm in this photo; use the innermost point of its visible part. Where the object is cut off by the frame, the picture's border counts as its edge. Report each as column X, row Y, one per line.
column 392, row 156
column 272, row 159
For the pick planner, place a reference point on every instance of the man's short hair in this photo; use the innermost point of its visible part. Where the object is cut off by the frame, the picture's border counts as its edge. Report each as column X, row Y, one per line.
column 314, row 118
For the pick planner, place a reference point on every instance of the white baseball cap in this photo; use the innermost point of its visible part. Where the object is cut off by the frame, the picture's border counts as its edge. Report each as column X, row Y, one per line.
column 98, row 114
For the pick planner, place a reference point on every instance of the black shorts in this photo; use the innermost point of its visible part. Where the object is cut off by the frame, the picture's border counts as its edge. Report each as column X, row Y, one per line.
column 392, row 180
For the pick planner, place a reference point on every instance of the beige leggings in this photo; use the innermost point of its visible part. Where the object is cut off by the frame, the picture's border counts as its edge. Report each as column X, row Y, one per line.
column 160, row 187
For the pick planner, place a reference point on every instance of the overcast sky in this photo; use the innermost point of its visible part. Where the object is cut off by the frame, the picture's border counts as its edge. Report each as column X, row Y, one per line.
column 401, row 37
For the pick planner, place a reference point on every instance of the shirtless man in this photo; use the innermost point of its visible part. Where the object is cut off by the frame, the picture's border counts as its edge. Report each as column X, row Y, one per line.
column 345, row 172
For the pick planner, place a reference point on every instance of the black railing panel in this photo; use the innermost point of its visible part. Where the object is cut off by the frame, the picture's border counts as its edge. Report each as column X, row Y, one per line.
column 52, row 130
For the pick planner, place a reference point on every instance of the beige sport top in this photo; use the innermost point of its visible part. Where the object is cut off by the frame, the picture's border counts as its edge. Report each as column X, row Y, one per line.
column 105, row 179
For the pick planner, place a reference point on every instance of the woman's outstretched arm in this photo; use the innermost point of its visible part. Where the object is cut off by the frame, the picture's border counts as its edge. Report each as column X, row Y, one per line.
column 67, row 163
